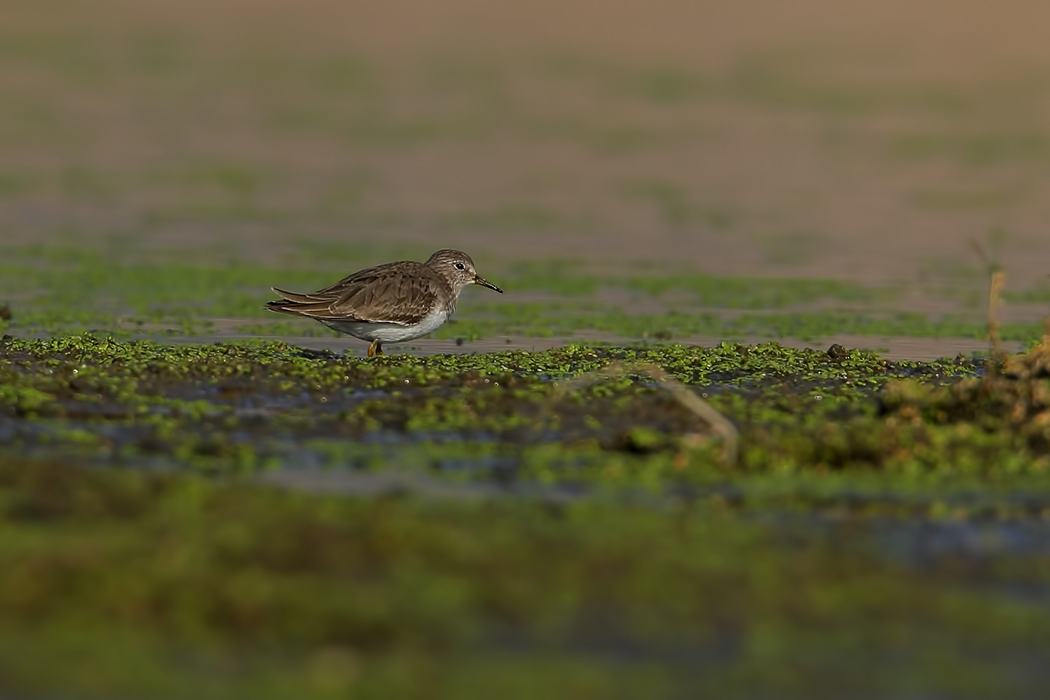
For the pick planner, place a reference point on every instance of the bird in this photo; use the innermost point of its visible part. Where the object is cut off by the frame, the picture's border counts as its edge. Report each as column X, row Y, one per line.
column 388, row 303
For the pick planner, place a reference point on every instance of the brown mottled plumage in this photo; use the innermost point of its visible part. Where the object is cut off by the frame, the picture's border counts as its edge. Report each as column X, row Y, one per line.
column 389, row 303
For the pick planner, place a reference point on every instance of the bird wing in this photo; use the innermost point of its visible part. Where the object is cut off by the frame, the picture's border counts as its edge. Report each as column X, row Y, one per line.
column 401, row 293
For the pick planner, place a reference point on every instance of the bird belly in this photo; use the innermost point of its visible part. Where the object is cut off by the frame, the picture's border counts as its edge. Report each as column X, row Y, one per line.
column 390, row 332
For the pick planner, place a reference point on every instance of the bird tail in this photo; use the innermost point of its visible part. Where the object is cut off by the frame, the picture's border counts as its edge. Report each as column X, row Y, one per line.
column 300, row 304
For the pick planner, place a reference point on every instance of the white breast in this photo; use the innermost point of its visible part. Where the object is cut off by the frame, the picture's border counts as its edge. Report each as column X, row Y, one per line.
column 391, row 332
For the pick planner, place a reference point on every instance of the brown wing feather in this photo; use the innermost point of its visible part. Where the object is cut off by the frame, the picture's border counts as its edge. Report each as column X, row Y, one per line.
column 393, row 293
column 293, row 297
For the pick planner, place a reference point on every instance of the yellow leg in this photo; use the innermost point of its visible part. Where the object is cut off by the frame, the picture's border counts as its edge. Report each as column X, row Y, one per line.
column 376, row 348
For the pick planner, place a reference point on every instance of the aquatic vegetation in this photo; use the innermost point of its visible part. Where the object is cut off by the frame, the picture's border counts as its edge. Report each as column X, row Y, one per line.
column 238, row 406
column 155, row 583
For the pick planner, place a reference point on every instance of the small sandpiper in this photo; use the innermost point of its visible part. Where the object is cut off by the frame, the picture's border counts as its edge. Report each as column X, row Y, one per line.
column 389, row 303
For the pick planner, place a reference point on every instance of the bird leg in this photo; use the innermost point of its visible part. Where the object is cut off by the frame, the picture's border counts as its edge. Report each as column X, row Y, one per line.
column 376, row 348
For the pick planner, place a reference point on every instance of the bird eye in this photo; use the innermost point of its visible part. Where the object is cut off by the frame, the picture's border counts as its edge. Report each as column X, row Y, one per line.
column 460, row 266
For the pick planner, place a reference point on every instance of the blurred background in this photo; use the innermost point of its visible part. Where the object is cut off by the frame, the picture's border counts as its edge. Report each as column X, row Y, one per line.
column 864, row 140
column 813, row 171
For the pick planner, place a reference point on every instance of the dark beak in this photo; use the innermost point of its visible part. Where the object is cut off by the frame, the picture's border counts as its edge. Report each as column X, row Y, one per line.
column 485, row 283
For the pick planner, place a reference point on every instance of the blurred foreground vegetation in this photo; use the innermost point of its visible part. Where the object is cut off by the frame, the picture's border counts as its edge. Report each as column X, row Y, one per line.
column 464, row 526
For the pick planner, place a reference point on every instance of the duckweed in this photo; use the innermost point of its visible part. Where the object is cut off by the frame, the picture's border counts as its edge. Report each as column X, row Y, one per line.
column 242, row 406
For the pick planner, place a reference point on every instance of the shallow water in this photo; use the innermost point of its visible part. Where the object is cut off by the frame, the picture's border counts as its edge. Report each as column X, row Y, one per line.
column 892, row 348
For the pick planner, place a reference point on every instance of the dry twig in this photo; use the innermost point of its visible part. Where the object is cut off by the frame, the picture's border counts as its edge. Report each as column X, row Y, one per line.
column 995, row 290
column 719, row 424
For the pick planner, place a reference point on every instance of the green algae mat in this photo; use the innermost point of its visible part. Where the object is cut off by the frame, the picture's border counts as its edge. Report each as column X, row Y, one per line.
column 259, row 520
